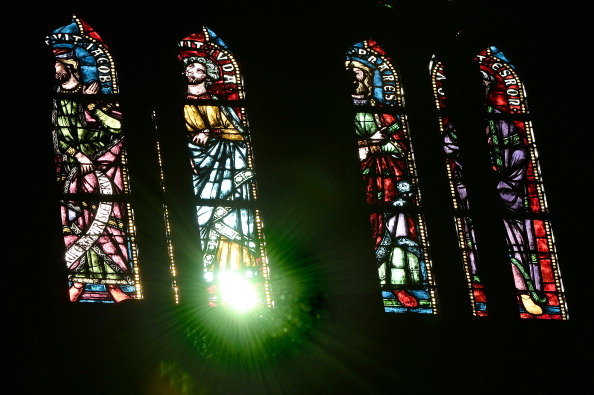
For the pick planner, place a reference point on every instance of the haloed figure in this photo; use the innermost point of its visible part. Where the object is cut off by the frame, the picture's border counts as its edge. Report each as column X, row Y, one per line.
column 510, row 153
column 362, row 83
column 382, row 152
column 88, row 144
column 217, row 142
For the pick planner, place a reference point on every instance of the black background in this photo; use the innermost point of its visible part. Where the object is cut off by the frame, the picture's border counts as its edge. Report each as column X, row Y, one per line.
column 328, row 334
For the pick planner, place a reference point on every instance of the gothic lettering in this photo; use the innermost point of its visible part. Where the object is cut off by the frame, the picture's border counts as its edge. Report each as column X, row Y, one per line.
column 504, row 73
column 512, row 92
column 103, row 69
column 190, row 44
column 514, row 102
column 96, row 52
column 230, row 79
column 383, row 67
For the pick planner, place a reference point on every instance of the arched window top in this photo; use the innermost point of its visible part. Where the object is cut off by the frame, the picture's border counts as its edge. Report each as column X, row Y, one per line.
column 458, row 191
column 401, row 244
column 233, row 248
column 503, row 88
column 80, row 41
column 438, row 78
column 97, row 221
column 207, row 48
column 515, row 159
column 375, row 72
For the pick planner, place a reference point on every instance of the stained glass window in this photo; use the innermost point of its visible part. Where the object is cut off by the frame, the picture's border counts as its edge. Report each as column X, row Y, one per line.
column 234, row 258
column 166, row 217
column 514, row 158
column 391, row 185
column 458, row 191
column 91, row 164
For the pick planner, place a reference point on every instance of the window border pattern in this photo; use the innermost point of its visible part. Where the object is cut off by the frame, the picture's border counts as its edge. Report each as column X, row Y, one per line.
column 224, row 179
column 387, row 160
column 460, row 199
column 98, row 224
column 514, row 157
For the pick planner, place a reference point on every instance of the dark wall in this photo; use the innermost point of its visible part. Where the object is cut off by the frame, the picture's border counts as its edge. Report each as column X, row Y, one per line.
column 329, row 334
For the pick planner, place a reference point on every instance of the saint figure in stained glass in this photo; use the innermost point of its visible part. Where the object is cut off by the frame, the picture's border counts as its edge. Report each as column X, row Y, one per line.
column 387, row 165
column 91, row 167
column 514, row 158
column 230, row 226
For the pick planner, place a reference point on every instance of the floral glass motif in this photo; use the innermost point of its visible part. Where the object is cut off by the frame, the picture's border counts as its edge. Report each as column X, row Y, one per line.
column 392, row 191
